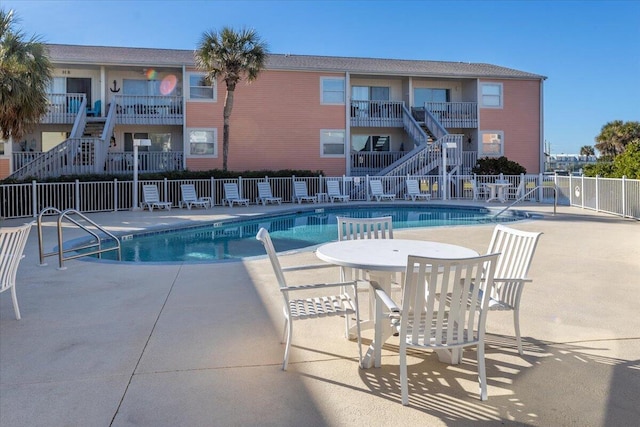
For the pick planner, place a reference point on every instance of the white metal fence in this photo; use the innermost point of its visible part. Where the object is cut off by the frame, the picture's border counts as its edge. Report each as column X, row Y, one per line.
column 614, row 196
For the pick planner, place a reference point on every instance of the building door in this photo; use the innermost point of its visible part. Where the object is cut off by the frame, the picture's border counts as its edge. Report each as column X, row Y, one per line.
column 80, row 85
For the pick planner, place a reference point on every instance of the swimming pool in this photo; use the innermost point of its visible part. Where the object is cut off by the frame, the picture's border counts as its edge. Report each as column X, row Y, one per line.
column 235, row 239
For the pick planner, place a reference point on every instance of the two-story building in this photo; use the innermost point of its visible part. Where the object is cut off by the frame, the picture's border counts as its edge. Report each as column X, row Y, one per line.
column 351, row 116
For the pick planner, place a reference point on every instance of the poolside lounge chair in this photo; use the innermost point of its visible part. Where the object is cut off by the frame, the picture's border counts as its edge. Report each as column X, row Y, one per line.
column 265, row 196
column 231, row 195
column 314, row 306
column 516, row 250
column 441, row 310
column 190, row 198
column 413, row 191
column 378, row 193
column 151, row 199
column 333, row 192
column 12, row 243
column 300, row 193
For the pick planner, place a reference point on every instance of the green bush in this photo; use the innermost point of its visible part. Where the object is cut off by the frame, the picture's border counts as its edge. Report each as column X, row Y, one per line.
column 497, row 166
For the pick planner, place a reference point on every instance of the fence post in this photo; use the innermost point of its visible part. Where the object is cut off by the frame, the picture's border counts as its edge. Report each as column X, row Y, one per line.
column 239, row 186
column 76, row 190
column 212, row 181
column 34, row 198
column 540, row 188
column 597, row 195
column 624, row 196
column 366, row 187
column 293, row 183
column 115, row 194
column 582, row 191
column 166, row 190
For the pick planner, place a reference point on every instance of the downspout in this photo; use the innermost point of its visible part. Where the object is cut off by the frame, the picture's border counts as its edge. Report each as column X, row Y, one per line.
column 347, row 130
column 542, row 158
column 184, row 119
column 103, row 92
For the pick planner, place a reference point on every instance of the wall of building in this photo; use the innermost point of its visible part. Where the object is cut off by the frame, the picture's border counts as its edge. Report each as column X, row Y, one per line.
column 519, row 119
column 4, row 167
column 275, row 124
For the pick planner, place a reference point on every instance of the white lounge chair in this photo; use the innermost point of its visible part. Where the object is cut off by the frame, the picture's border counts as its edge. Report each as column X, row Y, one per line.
column 315, row 306
column 151, row 199
column 300, row 193
column 231, row 195
column 413, row 191
column 441, row 310
column 333, row 192
column 265, row 196
column 516, row 250
column 190, row 197
column 378, row 193
column 12, row 243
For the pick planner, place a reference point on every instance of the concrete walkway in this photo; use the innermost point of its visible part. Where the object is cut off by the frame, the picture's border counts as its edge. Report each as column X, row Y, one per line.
column 199, row 345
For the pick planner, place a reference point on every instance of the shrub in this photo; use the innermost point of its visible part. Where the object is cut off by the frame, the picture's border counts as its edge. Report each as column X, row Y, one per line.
column 497, row 166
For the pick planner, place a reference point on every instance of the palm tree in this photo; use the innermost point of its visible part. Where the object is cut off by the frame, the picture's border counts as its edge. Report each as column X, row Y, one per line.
column 587, row 150
column 231, row 56
column 25, row 73
column 614, row 137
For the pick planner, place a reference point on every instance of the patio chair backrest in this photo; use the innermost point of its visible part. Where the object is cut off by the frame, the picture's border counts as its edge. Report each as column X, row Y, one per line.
column 150, row 193
column 333, row 188
column 264, row 189
column 365, row 228
column 376, row 187
column 265, row 238
column 412, row 186
column 300, row 189
column 231, row 191
column 516, row 248
column 12, row 243
column 188, row 193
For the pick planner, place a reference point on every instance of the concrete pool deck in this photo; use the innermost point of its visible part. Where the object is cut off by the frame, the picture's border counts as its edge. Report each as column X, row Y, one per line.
column 199, row 345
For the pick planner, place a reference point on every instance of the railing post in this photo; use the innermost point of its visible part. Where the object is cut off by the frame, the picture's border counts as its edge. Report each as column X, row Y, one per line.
column 624, row 196
column 240, row 186
column 76, row 195
column 582, row 191
column 597, row 195
column 34, row 198
column 166, row 190
column 212, row 182
column 115, row 195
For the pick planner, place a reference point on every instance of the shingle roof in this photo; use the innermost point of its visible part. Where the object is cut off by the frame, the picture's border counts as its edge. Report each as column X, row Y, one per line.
column 75, row 54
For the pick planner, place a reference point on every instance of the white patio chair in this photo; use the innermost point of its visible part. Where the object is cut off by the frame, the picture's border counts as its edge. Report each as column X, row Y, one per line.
column 151, row 198
column 514, row 193
column 232, row 195
column 190, row 197
column 333, row 192
column 441, row 310
column 378, row 193
column 300, row 193
column 516, row 250
column 265, row 196
column 480, row 192
column 413, row 191
column 316, row 305
column 12, row 244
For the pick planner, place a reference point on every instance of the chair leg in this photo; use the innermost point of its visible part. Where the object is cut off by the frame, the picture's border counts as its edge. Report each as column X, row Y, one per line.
column 516, row 324
column 14, row 298
column 404, row 386
column 482, row 373
column 287, row 346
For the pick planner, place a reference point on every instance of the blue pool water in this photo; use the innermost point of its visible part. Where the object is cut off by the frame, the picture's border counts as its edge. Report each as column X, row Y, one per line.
column 234, row 240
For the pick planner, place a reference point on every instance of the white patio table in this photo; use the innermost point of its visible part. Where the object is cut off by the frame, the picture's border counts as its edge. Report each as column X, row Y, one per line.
column 496, row 191
column 383, row 258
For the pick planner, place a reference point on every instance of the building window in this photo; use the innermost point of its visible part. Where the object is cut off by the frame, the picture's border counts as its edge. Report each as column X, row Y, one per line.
column 491, row 95
column 422, row 95
column 202, row 142
column 332, row 143
column 199, row 90
column 2, row 147
column 369, row 143
column 491, row 143
column 159, row 141
column 332, row 90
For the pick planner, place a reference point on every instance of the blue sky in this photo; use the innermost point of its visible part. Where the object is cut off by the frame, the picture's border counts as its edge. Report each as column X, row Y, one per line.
column 589, row 50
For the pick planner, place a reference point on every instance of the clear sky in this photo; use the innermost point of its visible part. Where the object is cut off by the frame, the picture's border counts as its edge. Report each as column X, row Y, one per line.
column 588, row 50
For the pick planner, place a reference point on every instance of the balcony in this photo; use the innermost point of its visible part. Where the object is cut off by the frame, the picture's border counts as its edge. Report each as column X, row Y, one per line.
column 148, row 110
column 63, row 108
column 458, row 115
column 376, row 114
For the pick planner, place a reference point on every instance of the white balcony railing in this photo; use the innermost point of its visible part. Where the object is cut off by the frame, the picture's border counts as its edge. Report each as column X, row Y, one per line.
column 63, row 107
column 162, row 161
column 138, row 109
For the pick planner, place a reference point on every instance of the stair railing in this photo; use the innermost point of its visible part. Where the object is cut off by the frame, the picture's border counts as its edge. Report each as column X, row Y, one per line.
column 412, row 128
column 524, row 196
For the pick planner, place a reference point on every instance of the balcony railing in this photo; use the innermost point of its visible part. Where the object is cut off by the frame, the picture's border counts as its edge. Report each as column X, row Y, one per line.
column 162, row 161
column 154, row 110
column 376, row 113
column 455, row 114
column 370, row 163
column 63, row 107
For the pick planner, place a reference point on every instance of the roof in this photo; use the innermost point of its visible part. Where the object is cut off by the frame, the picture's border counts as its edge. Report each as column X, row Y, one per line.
column 106, row 55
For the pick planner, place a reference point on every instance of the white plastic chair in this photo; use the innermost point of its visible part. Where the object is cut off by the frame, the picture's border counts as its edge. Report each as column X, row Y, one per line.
column 190, row 197
column 378, row 193
column 413, row 191
column 231, row 195
column 12, row 244
column 300, row 193
column 317, row 305
column 513, row 193
column 265, row 196
column 333, row 192
column 151, row 198
column 441, row 310
column 480, row 192
column 516, row 250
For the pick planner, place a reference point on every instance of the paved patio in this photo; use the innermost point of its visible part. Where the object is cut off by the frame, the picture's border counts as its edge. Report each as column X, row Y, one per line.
column 199, row 345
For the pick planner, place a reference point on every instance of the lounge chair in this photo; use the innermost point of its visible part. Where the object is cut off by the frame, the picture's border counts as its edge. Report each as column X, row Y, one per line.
column 12, row 243
column 378, row 193
column 315, row 305
column 152, row 199
column 413, row 191
column 231, row 195
column 265, row 196
column 190, row 198
column 300, row 193
column 333, row 192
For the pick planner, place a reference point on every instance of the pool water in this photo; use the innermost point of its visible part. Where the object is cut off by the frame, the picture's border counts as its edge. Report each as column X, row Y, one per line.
column 235, row 240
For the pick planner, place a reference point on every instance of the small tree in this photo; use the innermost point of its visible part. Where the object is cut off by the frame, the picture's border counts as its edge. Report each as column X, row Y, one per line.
column 498, row 165
column 587, row 150
column 614, row 137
